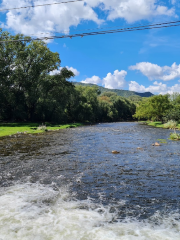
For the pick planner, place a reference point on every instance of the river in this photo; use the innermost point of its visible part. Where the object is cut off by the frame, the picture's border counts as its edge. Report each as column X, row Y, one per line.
column 67, row 185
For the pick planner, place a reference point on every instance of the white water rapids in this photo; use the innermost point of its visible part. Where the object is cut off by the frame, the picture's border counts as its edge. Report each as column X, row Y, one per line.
column 38, row 212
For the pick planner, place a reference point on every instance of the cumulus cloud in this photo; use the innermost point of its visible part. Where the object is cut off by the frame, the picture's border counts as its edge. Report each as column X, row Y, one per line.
column 61, row 17
column 57, row 71
column 155, row 72
column 156, row 88
column 115, row 80
column 46, row 19
column 133, row 10
column 93, row 80
column 111, row 81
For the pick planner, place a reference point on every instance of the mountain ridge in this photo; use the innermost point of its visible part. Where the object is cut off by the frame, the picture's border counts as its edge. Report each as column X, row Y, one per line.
column 123, row 93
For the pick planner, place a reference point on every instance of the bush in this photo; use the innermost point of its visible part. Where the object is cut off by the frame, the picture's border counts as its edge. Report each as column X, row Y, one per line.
column 42, row 127
column 175, row 136
column 171, row 124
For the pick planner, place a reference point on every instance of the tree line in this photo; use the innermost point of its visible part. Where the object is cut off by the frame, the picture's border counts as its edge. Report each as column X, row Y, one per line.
column 28, row 92
column 159, row 108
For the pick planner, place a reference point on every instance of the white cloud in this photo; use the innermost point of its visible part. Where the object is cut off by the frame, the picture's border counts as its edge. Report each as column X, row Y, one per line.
column 115, row 80
column 133, row 10
column 111, row 81
column 61, row 17
column 93, row 80
column 156, row 88
column 57, row 71
column 54, row 72
column 134, row 86
column 154, row 72
column 46, row 19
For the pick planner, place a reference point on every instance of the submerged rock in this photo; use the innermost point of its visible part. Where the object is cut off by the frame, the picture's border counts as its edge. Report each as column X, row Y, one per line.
column 115, row 152
column 156, row 144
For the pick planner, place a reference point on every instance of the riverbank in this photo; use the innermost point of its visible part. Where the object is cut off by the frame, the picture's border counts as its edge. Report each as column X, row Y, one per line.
column 7, row 129
column 158, row 124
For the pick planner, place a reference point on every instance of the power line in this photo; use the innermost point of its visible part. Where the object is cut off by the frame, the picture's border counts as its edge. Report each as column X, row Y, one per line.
column 106, row 32
column 90, row 29
column 136, row 28
column 42, row 5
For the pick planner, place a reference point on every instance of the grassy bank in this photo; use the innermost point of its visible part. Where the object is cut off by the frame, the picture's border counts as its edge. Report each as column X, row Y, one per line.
column 32, row 128
column 158, row 124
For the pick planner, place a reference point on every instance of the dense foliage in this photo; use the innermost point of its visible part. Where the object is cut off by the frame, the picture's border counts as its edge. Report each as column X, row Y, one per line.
column 159, row 108
column 174, row 112
column 28, row 92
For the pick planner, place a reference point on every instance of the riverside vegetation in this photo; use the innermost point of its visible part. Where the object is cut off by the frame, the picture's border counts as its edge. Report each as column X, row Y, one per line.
column 161, row 111
column 30, row 92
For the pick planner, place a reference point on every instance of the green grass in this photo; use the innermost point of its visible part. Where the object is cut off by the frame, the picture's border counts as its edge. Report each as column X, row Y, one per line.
column 155, row 124
column 158, row 124
column 31, row 128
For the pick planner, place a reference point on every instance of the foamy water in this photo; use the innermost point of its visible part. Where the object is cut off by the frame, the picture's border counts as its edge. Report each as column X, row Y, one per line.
column 38, row 212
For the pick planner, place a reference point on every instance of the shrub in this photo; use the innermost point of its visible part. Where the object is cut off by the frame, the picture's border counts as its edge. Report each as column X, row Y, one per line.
column 171, row 124
column 175, row 136
column 42, row 127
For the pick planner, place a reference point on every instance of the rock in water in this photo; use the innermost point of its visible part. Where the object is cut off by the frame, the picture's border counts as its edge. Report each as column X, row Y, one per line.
column 115, row 152
column 156, row 144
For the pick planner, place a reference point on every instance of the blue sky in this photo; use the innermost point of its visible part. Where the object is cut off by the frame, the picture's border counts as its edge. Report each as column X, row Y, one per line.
column 139, row 61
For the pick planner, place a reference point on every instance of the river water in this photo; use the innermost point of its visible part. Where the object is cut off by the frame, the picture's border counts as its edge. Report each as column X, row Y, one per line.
column 67, row 185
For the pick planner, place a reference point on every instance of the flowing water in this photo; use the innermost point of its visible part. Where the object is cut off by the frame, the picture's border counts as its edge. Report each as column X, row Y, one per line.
column 68, row 185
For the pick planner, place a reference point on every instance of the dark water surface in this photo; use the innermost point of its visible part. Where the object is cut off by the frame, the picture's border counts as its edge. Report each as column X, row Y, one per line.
column 69, row 185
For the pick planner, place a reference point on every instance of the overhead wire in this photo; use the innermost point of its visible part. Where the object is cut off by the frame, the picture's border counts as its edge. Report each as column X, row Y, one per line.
column 136, row 28
column 90, row 29
column 41, row 5
column 88, row 33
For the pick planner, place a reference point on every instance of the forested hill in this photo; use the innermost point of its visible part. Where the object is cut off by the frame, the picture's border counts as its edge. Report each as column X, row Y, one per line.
column 123, row 93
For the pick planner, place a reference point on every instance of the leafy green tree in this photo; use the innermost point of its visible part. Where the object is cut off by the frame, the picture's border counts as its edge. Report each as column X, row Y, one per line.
column 25, row 83
column 174, row 112
column 55, row 96
column 153, row 108
column 85, row 104
column 122, row 108
column 32, row 64
column 107, row 112
column 135, row 99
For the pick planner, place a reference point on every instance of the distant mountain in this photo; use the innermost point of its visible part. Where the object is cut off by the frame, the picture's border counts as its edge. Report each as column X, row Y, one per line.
column 123, row 93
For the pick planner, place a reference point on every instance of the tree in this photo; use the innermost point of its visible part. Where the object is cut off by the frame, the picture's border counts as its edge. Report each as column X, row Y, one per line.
column 56, row 96
column 31, row 66
column 117, row 107
column 25, row 83
column 174, row 112
column 153, row 108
